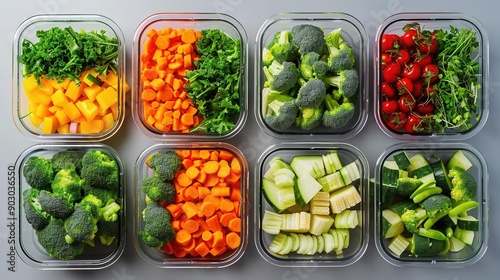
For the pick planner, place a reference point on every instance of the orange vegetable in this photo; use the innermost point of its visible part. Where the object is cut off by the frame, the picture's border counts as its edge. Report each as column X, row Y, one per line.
column 167, row 55
column 191, row 226
column 233, row 240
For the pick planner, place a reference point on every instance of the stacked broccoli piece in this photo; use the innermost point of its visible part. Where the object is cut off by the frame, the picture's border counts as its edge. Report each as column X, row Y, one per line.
column 159, row 190
column 310, row 79
column 70, row 195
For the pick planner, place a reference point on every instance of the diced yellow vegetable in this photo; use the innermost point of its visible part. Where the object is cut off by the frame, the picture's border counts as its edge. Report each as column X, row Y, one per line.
column 92, row 91
column 108, row 121
column 88, row 109
column 30, row 84
column 49, row 125
column 42, row 111
column 46, row 87
column 59, row 98
column 74, row 91
column 62, row 117
column 94, row 126
column 53, row 109
column 36, row 121
column 72, row 111
column 38, row 96
column 107, row 98
column 63, row 129
column 110, row 78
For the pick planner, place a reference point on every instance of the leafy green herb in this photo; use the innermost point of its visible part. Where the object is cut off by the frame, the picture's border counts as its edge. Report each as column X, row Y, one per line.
column 458, row 87
column 64, row 53
column 214, row 84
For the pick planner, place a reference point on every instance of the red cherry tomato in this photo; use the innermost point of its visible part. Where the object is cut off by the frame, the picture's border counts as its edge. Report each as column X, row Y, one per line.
column 389, row 106
column 402, row 56
column 385, row 59
column 424, row 60
column 404, row 86
column 406, row 103
column 387, row 42
column 408, row 38
column 417, row 89
column 391, row 73
column 387, row 90
column 425, row 108
column 413, row 124
column 396, row 121
column 412, row 71
column 427, row 44
column 430, row 73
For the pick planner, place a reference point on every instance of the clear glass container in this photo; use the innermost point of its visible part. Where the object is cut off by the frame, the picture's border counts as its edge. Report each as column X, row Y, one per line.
column 158, row 256
column 434, row 21
column 358, row 236
column 353, row 33
column 435, row 152
column 94, row 257
column 196, row 21
column 30, row 119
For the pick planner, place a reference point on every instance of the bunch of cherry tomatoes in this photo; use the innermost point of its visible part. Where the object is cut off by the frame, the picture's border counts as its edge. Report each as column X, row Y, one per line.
column 408, row 75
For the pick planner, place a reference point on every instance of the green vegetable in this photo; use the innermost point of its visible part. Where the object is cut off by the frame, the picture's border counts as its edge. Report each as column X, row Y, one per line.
column 157, row 229
column 437, row 204
column 413, row 218
column 281, row 111
column 53, row 239
column 165, row 163
column 107, row 232
column 158, row 190
column 281, row 77
column 57, row 205
column 63, row 53
column 309, row 117
column 309, row 38
column 67, row 183
column 458, row 86
column 311, row 66
column 347, row 82
column 38, row 172
column 311, row 93
column 214, row 86
column 67, row 160
column 337, row 115
column 282, row 48
column 464, row 185
column 340, row 56
column 100, row 169
column 33, row 211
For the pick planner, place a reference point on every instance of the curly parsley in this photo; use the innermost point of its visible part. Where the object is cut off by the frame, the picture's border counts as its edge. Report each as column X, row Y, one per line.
column 64, row 53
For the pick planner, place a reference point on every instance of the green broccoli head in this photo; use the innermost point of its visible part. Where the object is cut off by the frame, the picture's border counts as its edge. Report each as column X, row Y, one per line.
column 100, row 170
column 267, row 57
column 337, row 115
column 311, row 66
column 158, row 190
column 438, row 204
column 67, row 160
column 67, row 183
column 107, row 231
column 311, row 94
column 106, row 210
column 309, row 117
column 57, row 205
column 413, row 218
column 157, row 229
column 334, row 38
column 38, row 172
column 34, row 213
column 309, row 38
column 282, row 47
column 464, row 185
column 53, row 239
column 81, row 226
column 102, row 194
column 281, row 111
column 347, row 82
column 281, row 77
column 340, row 59
column 165, row 163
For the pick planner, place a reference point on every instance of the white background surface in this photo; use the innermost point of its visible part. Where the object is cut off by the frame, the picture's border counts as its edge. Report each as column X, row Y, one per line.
column 129, row 140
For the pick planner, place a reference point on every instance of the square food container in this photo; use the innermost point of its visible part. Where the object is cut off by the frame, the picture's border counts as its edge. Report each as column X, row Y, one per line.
column 422, row 117
column 296, row 237
column 457, row 241
column 209, row 243
column 353, row 33
column 163, row 123
column 71, row 109
column 94, row 257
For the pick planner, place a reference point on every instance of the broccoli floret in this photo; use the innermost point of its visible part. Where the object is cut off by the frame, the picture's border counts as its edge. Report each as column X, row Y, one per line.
column 311, row 93
column 282, row 47
column 413, row 218
column 309, row 38
column 340, row 55
column 53, row 239
column 309, row 117
column 157, row 229
column 33, row 210
column 464, row 185
column 281, row 111
column 311, row 66
column 281, row 77
column 100, row 170
column 67, row 160
column 165, row 163
column 267, row 57
column 438, row 204
column 56, row 205
column 38, row 172
column 346, row 81
column 158, row 190
column 81, row 226
column 102, row 194
column 67, row 183
column 337, row 115
column 107, row 231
